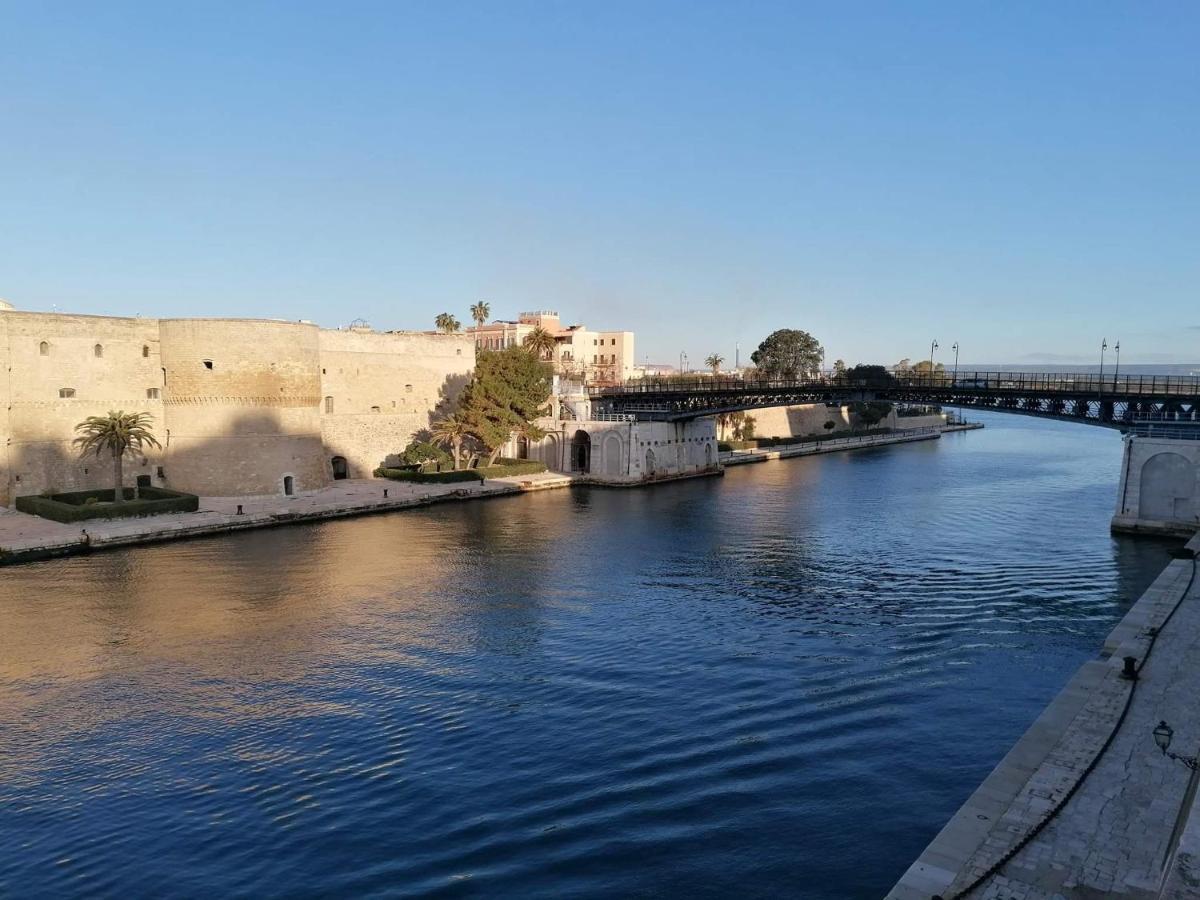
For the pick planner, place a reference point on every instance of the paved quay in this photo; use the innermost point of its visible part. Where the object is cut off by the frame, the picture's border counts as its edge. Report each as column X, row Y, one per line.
column 24, row 537
column 1084, row 805
column 835, row 445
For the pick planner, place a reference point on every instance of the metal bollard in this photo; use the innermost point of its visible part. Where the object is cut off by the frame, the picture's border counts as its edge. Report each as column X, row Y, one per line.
column 239, row 512
column 1129, row 673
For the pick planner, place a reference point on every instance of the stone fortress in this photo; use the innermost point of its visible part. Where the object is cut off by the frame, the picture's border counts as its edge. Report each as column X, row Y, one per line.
column 240, row 406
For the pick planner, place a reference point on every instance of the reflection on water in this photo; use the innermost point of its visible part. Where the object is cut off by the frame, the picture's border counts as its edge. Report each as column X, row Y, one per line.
column 776, row 683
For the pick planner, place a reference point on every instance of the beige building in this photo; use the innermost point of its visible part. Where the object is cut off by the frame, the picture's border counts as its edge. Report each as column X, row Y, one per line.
column 580, row 353
column 241, row 406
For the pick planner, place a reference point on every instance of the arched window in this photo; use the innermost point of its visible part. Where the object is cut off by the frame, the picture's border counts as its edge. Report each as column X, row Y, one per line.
column 328, row 406
column 98, row 350
column 44, row 348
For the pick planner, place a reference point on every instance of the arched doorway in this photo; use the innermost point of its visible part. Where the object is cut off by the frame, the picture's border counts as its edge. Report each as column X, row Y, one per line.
column 581, row 452
column 340, row 468
column 1168, row 484
column 289, row 486
column 708, row 456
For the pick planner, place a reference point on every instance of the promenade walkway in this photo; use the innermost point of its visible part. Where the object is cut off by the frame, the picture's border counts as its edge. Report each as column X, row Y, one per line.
column 1129, row 827
column 25, row 537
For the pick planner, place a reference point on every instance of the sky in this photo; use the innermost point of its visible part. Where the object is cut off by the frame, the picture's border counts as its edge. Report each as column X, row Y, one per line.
column 1020, row 177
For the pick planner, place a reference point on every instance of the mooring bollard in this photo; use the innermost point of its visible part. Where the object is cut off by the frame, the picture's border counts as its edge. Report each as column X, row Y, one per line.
column 239, row 512
column 1129, row 673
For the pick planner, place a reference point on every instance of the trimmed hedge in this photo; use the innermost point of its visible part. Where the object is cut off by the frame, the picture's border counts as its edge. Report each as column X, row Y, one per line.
column 502, row 469
column 80, row 506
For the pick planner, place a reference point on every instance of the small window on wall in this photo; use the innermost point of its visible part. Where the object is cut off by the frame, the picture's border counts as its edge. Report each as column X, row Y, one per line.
column 375, row 409
column 329, row 406
column 151, row 393
column 408, row 389
column 145, row 351
column 208, row 364
column 44, row 348
column 98, row 350
column 66, row 393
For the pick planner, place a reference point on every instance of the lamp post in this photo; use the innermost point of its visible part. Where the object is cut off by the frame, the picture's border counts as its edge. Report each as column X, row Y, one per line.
column 1103, row 347
column 1162, row 736
column 954, row 382
column 932, row 347
column 1117, row 367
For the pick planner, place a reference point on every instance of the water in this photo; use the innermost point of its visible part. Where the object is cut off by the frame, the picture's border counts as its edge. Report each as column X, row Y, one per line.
column 778, row 683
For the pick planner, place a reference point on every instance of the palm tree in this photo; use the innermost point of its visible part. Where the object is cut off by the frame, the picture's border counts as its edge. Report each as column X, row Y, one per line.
column 540, row 342
column 480, row 312
column 446, row 323
column 450, row 431
column 713, row 361
column 116, row 434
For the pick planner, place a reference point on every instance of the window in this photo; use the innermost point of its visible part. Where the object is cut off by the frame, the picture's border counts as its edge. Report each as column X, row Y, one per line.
column 151, row 393
column 145, row 351
column 98, row 350
column 66, row 393
column 44, row 348
column 408, row 389
column 208, row 364
column 458, row 352
column 594, row 342
column 375, row 409
column 328, row 406
column 614, row 342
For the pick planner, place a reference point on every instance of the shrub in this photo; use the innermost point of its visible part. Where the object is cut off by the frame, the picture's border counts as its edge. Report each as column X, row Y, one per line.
column 79, row 506
column 420, row 453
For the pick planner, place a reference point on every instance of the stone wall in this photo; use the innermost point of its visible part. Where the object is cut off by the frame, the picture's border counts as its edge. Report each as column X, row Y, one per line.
column 60, row 369
column 1160, row 486
column 621, row 452
column 242, row 406
column 238, row 404
column 809, row 419
column 379, row 390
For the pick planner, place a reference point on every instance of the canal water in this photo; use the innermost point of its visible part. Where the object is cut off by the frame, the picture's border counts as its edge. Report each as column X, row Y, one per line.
column 777, row 683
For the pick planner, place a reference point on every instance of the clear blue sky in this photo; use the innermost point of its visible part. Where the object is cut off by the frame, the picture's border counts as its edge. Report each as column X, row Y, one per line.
column 1021, row 177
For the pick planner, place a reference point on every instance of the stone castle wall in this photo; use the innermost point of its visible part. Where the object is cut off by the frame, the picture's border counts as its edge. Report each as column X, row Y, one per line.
column 379, row 390
column 238, row 404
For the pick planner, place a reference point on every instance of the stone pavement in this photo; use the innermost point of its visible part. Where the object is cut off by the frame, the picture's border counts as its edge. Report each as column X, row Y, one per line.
column 30, row 537
column 1132, row 828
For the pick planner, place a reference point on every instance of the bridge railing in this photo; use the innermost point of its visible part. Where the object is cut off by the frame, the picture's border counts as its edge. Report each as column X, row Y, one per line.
column 1076, row 383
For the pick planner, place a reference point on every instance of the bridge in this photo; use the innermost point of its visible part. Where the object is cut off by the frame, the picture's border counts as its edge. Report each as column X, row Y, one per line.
column 1114, row 401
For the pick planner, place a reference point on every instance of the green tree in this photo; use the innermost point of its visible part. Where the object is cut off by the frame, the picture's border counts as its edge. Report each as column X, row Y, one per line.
column 713, row 361
column 839, row 368
column 510, row 388
column 540, row 343
column 422, row 453
column 788, row 354
column 480, row 312
column 117, row 434
column 450, row 431
column 446, row 323
column 870, row 376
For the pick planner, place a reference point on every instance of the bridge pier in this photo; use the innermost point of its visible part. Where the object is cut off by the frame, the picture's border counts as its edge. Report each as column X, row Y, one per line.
column 1160, row 485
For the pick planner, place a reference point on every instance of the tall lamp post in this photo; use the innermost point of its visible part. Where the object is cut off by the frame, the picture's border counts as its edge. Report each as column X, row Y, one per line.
column 1117, row 367
column 1103, row 347
column 954, row 382
column 932, row 347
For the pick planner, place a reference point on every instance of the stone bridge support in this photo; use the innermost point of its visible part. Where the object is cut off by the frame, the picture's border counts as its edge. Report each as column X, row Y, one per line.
column 1160, row 486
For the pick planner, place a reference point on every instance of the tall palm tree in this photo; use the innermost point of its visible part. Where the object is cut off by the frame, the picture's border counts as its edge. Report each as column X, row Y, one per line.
column 450, row 431
column 540, row 342
column 446, row 323
column 480, row 312
column 116, row 434
column 713, row 361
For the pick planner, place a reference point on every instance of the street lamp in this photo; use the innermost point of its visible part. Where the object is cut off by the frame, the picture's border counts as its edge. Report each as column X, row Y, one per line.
column 1162, row 736
column 954, row 383
column 1117, row 369
column 932, row 347
column 1103, row 347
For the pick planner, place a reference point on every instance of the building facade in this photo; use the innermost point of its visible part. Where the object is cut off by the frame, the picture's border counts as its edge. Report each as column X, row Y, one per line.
column 240, row 406
column 603, row 357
